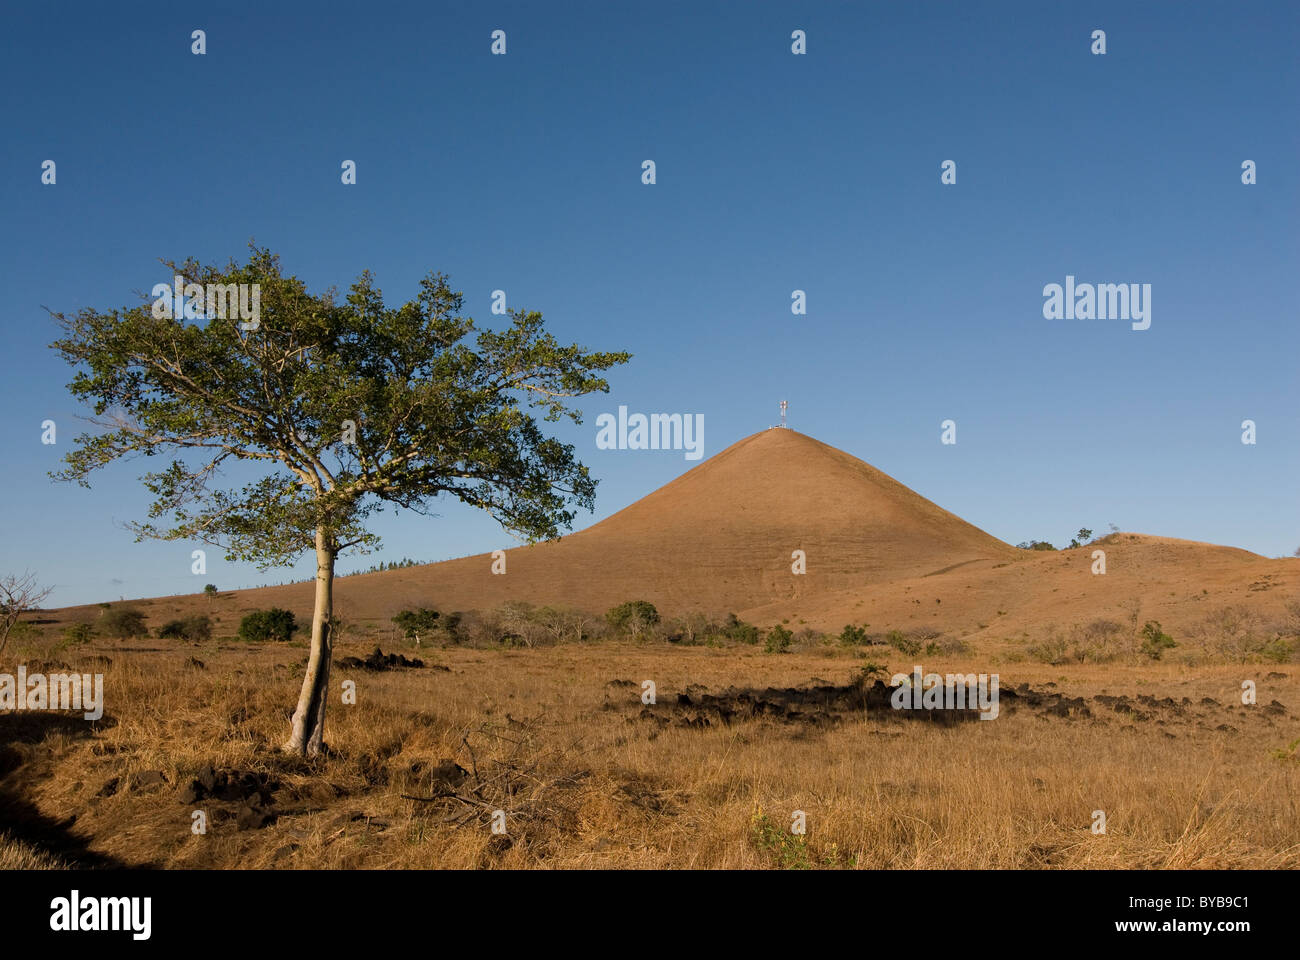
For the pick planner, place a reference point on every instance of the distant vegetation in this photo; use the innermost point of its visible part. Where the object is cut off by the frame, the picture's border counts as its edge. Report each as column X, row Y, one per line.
column 1082, row 537
column 413, row 623
column 1232, row 634
column 78, row 633
column 1155, row 641
column 636, row 618
column 262, row 626
column 122, row 623
column 196, row 629
column 778, row 640
column 382, row 566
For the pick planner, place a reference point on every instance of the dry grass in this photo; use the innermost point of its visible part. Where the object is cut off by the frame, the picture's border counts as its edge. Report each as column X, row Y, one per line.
column 585, row 782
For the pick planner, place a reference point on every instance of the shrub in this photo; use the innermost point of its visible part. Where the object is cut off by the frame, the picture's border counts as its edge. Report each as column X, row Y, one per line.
column 778, row 640
column 451, row 624
column 122, row 623
column 1099, row 641
column 1233, row 633
column 1278, row 650
column 78, row 633
column 1155, row 641
column 412, row 623
column 951, row 646
column 1035, row 545
column 791, row 851
column 868, row 673
column 1053, row 649
column 477, row 629
column 562, row 625
column 740, row 631
column 517, row 623
column 852, row 636
column 902, row 643
column 194, row 629
column 695, row 628
column 633, row 617
column 262, row 626
column 808, row 638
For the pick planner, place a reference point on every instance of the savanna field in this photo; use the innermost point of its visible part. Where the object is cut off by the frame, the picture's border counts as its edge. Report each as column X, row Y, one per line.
column 711, row 775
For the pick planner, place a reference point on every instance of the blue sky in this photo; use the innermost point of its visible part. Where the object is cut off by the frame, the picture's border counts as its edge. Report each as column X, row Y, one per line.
column 775, row 172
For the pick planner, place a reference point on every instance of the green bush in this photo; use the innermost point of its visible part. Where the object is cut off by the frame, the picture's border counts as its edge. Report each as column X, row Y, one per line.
column 868, row 673
column 414, row 623
column 261, row 626
column 778, row 640
column 852, row 636
column 903, row 643
column 122, row 623
column 634, row 617
column 1154, row 641
column 1278, row 650
column 78, row 633
column 195, row 629
column 740, row 631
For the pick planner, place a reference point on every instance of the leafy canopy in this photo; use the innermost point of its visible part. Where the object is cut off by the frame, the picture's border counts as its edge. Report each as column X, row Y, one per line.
column 434, row 412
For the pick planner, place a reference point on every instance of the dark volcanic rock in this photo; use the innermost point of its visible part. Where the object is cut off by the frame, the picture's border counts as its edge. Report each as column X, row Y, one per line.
column 380, row 661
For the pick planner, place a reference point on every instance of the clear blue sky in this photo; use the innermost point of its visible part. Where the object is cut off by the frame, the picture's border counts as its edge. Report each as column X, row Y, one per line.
column 775, row 172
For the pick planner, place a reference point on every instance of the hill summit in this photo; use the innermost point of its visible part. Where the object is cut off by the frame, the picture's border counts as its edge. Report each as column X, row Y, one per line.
column 723, row 537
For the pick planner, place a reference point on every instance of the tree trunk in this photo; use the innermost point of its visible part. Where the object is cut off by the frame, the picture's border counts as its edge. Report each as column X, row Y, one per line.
column 308, row 730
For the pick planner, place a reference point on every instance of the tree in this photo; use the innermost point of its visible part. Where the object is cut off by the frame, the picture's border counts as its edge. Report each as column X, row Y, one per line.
column 324, row 411
column 1084, row 535
column 18, row 593
column 636, row 617
column 412, row 623
column 123, row 623
column 210, row 591
column 271, row 626
column 1155, row 641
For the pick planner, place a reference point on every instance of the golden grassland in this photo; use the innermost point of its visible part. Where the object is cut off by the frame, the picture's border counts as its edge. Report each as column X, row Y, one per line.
column 555, row 740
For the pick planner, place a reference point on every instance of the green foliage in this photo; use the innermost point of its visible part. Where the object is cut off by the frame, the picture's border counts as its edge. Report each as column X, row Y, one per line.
column 389, row 565
column 868, row 673
column 262, row 626
column 122, row 623
column 1084, row 535
column 1290, row 753
column 77, row 633
column 195, row 629
column 1278, row 650
column 1154, row 641
column 451, row 625
column 1035, row 545
column 414, row 623
column 633, row 617
column 740, row 631
column 434, row 412
column 210, row 590
column 852, row 636
column 778, row 640
column 791, row 851
column 903, row 643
